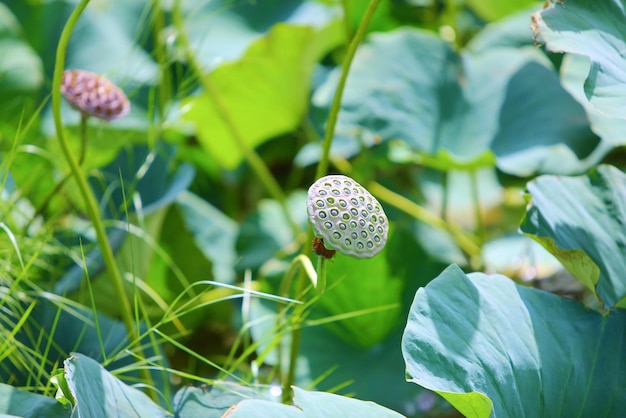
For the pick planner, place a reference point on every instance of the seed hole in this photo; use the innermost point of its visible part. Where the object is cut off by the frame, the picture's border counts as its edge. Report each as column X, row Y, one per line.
column 348, row 242
column 323, row 214
column 342, row 226
column 364, row 234
column 370, row 244
column 320, row 203
column 355, row 235
column 328, row 225
column 336, row 235
column 359, row 245
column 334, row 212
column 343, row 203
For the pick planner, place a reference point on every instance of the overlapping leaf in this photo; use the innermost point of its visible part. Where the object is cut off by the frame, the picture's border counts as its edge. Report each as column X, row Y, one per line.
column 15, row 402
column 503, row 106
column 489, row 347
column 268, row 88
column 595, row 29
column 100, row 394
column 312, row 405
column 581, row 221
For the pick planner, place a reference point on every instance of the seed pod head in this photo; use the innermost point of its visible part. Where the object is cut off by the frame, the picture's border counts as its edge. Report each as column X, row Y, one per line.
column 347, row 217
column 94, row 95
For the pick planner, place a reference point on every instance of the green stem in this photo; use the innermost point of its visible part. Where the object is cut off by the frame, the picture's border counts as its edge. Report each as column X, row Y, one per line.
column 90, row 202
column 480, row 226
column 66, row 177
column 322, row 167
column 164, row 90
column 254, row 160
column 297, row 319
column 445, row 180
column 467, row 244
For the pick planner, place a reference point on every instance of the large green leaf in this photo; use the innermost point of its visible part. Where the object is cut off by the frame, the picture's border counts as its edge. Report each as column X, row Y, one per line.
column 100, row 394
column 574, row 71
column 15, row 402
column 367, row 292
column 20, row 68
column 496, row 349
column 460, row 111
column 266, row 233
column 311, row 405
column 222, row 30
column 496, row 9
column 248, row 402
column 211, row 402
column 265, row 93
column 580, row 220
column 330, row 361
column 595, row 29
column 214, row 233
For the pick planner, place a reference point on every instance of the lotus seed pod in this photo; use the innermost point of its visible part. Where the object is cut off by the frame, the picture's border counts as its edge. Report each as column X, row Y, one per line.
column 94, row 95
column 347, row 217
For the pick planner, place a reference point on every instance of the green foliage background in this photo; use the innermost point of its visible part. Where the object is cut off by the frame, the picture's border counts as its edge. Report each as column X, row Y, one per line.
column 493, row 145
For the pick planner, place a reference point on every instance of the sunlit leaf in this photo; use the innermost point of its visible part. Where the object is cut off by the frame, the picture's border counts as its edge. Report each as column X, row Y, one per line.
column 496, row 349
column 502, row 106
column 579, row 220
column 100, row 394
column 311, row 405
column 495, row 9
column 594, row 29
column 266, row 91
column 222, row 30
column 19, row 403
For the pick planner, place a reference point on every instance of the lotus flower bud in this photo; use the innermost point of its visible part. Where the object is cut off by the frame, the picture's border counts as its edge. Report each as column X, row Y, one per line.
column 94, row 95
column 346, row 217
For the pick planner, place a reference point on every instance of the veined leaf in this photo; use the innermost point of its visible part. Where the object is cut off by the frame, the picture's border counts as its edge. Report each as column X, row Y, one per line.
column 100, row 394
column 580, row 221
column 597, row 30
column 266, row 92
column 502, row 106
column 496, row 349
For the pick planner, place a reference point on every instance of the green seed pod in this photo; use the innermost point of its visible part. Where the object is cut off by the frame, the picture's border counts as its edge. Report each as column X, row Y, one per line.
column 347, row 217
column 94, row 95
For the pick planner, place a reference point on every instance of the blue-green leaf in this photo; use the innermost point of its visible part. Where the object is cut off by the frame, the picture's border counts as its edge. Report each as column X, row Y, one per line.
column 100, row 394
column 460, row 111
column 595, row 29
column 580, row 221
column 496, row 349
column 15, row 402
column 251, row 90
